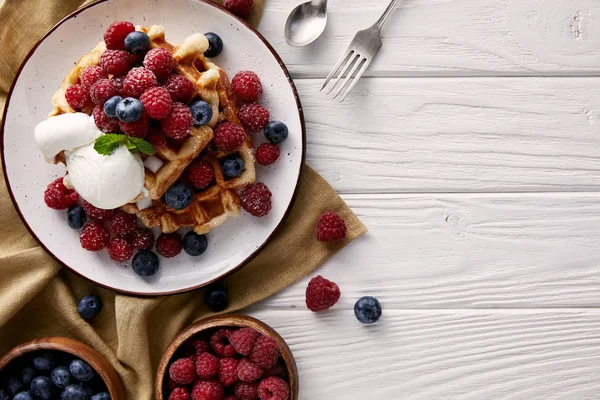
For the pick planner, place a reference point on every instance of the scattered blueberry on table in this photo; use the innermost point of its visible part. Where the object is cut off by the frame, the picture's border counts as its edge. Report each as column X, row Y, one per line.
column 216, row 297
column 367, row 310
column 89, row 306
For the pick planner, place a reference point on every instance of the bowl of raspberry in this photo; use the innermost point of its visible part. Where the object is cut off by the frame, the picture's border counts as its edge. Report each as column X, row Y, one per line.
column 57, row 368
column 228, row 357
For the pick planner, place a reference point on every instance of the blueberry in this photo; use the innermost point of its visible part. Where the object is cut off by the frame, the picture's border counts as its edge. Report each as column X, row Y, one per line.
column 145, row 263
column 202, row 112
column 76, row 217
column 215, row 45
column 4, row 396
column 41, row 387
column 232, row 166
column 216, row 297
column 27, row 376
column 137, row 42
column 194, row 244
column 89, row 306
column 20, row 396
column 61, row 377
column 43, row 362
column 74, row 392
column 179, row 196
column 81, row 370
column 101, row 396
column 367, row 310
column 87, row 387
column 14, row 385
column 129, row 110
column 276, row 132
column 110, row 106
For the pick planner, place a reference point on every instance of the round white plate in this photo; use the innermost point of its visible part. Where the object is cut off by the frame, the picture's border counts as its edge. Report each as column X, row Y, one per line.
column 231, row 245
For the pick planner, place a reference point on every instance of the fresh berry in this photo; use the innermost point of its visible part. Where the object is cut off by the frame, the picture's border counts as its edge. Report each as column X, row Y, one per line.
column 183, row 371
column 138, row 80
column 122, row 224
column 156, row 138
column 102, row 90
column 179, row 196
column 267, row 154
column 99, row 214
column 243, row 340
column 215, row 45
column 232, row 166
column 77, row 97
column 367, row 310
column 194, row 244
column 248, row 371
column 115, row 35
column 179, row 394
column 254, row 116
column 115, row 62
column 81, row 370
column 110, row 106
column 120, row 250
column 246, row 86
column 330, row 227
column 102, row 396
column 58, row 197
column 91, row 75
column 265, row 352
column 138, row 128
column 74, row 392
column 19, row 396
column 201, row 345
column 207, row 365
column 118, row 84
column 216, row 297
column 228, row 371
column 321, row 294
column 103, row 121
column 276, row 370
column 276, row 132
column 179, row 122
column 219, row 341
column 43, row 362
column 200, row 173
column 207, row 390
column 273, row 388
column 157, row 102
column 239, row 7
column 228, row 136
column 14, row 385
column 201, row 112
column 129, row 110
column 159, row 61
column 256, row 199
column 145, row 263
column 179, row 87
column 142, row 239
column 94, row 237
column 27, row 376
column 136, row 42
column 168, row 244
column 89, row 306
column 246, row 390
column 41, row 387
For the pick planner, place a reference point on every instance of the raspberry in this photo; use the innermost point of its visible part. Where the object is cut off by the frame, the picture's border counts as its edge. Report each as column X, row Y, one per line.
column 159, row 61
column 273, row 388
column 243, row 340
column 157, row 102
column 179, row 122
column 179, row 394
column 172, row 385
column 138, row 128
column 321, row 294
column 114, row 37
column 120, row 249
column 246, row 86
column 58, row 197
column 207, row 390
column 168, row 245
column 91, row 75
column 246, row 391
column 265, row 352
column 94, row 237
column 142, row 239
column 254, row 116
column 179, row 87
column 200, row 173
column 156, row 138
column 220, row 343
column 228, row 371
column 77, row 97
column 122, row 224
column 228, row 136
column 99, row 214
column 183, row 371
column 267, row 154
column 256, row 199
column 137, row 81
column 248, row 371
column 103, row 122
column 276, row 370
column 330, row 227
column 197, row 346
column 115, row 62
column 118, row 84
column 101, row 91
column 239, row 7
column 207, row 365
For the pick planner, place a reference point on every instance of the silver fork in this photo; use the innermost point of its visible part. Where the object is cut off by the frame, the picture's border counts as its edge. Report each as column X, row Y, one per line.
column 358, row 56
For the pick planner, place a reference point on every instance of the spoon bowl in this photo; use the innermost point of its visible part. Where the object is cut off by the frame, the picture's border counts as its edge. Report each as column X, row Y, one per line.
column 306, row 23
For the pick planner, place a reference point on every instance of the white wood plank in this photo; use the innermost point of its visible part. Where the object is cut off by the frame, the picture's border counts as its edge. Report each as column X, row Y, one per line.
column 464, row 37
column 457, row 135
column 436, row 354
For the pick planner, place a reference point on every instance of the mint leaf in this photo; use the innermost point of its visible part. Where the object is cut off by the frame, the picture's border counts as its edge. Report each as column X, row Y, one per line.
column 142, row 146
column 107, row 144
column 131, row 147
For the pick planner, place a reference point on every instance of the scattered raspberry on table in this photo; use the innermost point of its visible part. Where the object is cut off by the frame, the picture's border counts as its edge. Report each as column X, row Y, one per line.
column 321, row 294
column 330, row 227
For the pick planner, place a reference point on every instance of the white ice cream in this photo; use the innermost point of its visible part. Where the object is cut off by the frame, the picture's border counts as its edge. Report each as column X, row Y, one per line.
column 65, row 132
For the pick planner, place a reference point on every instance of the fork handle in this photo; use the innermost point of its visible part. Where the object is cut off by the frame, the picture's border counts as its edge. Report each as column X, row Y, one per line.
column 379, row 24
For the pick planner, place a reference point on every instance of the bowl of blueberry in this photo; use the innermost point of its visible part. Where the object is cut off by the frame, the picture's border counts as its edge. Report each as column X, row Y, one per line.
column 57, row 368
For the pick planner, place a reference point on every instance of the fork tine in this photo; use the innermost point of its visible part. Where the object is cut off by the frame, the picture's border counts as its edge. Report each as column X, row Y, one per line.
column 358, row 63
column 342, row 59
column 359, row 74
column 344, row 70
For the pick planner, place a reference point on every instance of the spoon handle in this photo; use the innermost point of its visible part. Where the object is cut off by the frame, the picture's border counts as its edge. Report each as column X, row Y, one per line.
column 385, row 15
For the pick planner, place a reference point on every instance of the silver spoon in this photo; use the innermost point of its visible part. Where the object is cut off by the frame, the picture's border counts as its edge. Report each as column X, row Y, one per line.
column 306, row 23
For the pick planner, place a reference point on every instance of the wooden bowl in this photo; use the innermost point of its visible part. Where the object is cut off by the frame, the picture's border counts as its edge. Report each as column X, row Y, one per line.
column 222, row 321
column 78, row 349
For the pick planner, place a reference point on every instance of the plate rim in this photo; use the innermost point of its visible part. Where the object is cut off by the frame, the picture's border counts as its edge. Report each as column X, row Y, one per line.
column 194, row 287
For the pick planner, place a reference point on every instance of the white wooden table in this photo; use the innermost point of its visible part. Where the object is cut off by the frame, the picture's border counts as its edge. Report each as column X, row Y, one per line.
column 472, row 155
